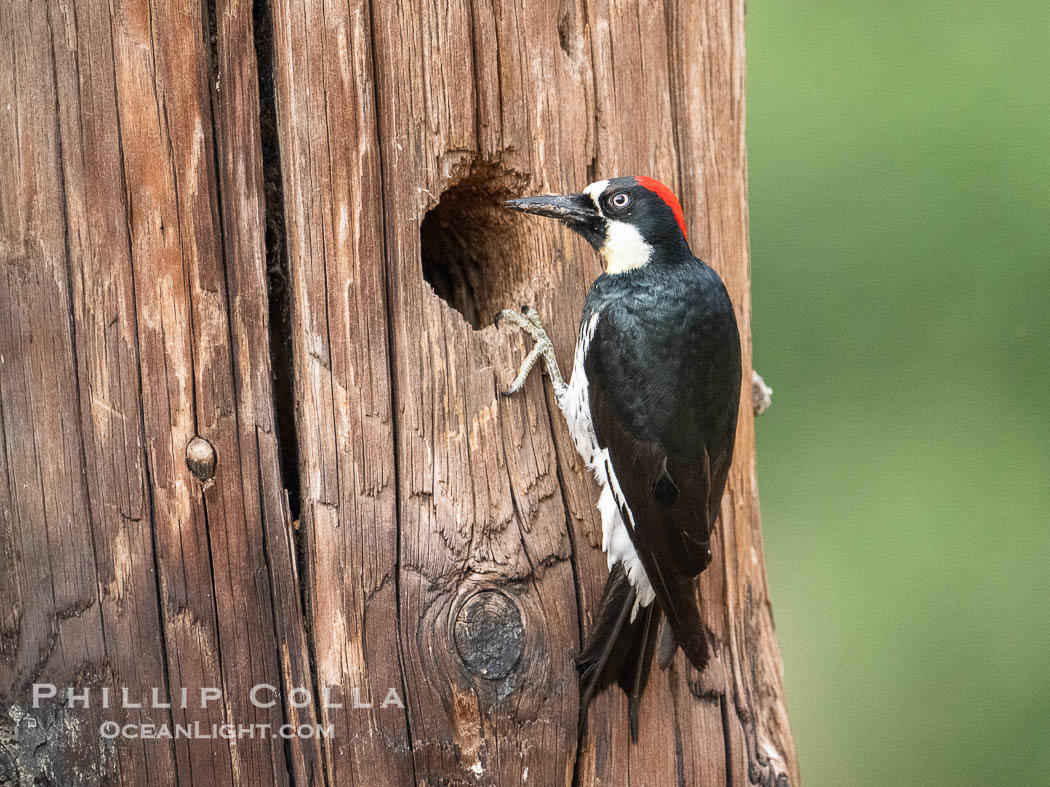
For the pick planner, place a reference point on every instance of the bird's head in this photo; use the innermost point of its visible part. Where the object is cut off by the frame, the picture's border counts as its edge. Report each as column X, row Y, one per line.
column 627, row 220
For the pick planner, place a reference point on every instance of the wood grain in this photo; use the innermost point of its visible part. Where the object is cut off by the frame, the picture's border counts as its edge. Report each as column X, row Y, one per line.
column 119, row 348
column 192, row 187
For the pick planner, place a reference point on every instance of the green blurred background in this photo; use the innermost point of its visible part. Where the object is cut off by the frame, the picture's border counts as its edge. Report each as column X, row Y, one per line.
column 899, row 158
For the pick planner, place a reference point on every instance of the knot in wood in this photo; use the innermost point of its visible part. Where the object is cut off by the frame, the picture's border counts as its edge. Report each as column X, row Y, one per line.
column 489, row 634
column 201, row 459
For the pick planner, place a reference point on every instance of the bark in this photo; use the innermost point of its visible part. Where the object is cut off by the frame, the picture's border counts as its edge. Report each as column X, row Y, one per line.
column 248, row 389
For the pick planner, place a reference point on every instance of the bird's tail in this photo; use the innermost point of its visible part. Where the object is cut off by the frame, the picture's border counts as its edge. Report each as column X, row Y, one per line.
column 618, row 648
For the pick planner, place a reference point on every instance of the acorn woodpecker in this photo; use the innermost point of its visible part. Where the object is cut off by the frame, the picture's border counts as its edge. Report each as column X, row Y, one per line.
column 652, row 409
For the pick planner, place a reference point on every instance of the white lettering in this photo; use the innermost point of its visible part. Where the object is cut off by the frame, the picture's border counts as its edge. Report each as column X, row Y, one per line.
column 208, row 694
column 127, row 703
column 73, row 696
column 43, row 691
column 392, row 699
column 326, row 698
column 357, row 699
column 253, row 696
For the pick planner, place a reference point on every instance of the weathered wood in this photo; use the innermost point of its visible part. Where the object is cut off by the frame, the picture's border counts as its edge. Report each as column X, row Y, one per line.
column 447, row 542
column 349, row 523
column 489, row 102
column 119, row 348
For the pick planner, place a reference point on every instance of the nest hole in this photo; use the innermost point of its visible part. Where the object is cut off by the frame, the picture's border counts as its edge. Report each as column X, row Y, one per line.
column 472, row 247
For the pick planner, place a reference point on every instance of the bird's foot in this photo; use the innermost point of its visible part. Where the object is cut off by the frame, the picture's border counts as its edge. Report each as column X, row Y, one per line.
column 528, row 319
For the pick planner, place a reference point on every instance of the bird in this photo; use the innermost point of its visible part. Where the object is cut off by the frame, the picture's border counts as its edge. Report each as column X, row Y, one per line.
column 651, row 405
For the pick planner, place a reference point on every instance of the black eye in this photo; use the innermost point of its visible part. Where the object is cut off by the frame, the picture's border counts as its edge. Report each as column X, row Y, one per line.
column 621, row 199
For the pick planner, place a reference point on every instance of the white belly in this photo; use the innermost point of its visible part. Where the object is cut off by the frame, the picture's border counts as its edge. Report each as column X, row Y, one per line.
column 616, row 541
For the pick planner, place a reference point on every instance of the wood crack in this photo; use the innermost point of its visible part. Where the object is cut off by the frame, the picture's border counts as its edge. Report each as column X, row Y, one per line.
column 254, row 276
column 283, row 371
column 388, row 301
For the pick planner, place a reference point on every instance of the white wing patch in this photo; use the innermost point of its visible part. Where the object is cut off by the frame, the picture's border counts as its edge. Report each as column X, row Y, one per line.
column 616, row 541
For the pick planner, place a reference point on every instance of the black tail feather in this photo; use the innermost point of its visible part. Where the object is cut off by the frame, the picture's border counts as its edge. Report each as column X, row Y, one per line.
column 599, row 662
column 618, row 648
column 667, row 647
column 640, row 652
column 678, row 599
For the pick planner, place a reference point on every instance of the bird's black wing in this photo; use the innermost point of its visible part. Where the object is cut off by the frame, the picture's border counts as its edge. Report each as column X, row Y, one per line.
column 663, row 396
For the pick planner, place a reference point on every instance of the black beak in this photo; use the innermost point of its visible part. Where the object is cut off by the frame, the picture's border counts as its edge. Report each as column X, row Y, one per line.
column 570, row 208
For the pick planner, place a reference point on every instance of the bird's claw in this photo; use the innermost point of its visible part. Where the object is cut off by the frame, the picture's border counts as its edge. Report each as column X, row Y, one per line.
column 528, row 319
column 532, row 316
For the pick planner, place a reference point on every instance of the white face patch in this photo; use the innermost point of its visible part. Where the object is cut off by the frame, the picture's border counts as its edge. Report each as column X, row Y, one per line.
column 624, row 248
column 594, row 191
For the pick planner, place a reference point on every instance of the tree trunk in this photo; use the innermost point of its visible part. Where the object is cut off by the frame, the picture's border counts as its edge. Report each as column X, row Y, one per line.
column 251, row 435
